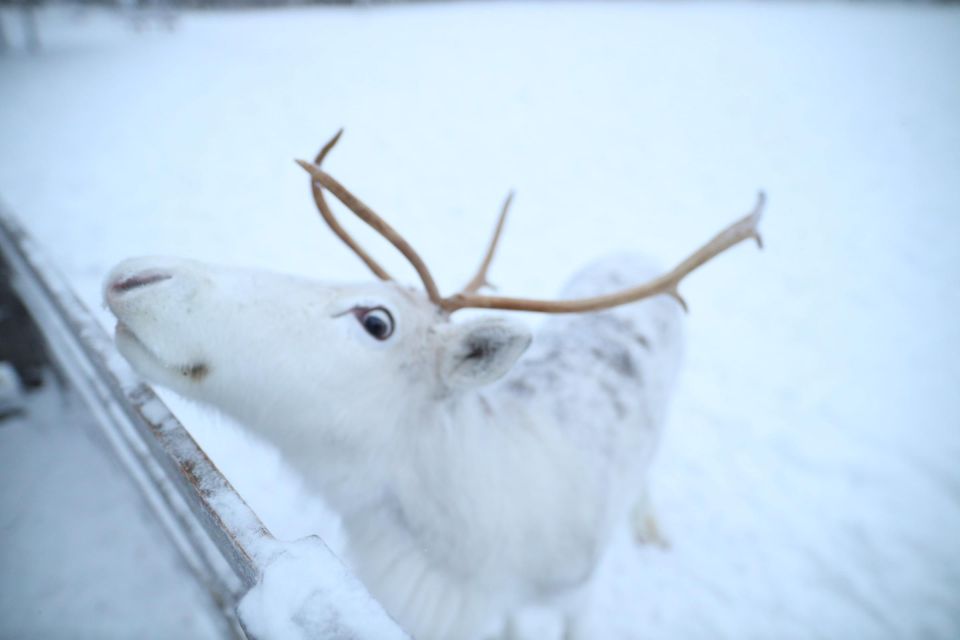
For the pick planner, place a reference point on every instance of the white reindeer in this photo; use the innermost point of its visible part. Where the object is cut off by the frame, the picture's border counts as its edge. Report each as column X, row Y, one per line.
column 471, row 482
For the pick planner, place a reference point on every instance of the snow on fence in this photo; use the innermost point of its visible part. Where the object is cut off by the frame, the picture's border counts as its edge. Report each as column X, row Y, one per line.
column 267, row 588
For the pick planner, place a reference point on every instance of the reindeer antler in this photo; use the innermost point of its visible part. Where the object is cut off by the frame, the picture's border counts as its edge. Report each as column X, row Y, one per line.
column 328, row 216
column 365, row 213
column 668, row 283
column 480, row 279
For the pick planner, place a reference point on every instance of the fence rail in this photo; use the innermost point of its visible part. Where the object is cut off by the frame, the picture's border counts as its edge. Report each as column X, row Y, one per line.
column 221, row 539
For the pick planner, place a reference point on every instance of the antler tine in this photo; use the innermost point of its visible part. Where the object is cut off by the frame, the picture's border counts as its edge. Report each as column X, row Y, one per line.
column 327, row 214
column 480, row 279
column 668, row 283
column 365, row 213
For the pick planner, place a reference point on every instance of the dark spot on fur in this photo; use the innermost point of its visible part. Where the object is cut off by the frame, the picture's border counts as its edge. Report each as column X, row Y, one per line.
column 520, row 387
column 642, row 341
column 550, row 379
column 623, row 364
column 620, row 361
column 196, row 372
column 614, row 395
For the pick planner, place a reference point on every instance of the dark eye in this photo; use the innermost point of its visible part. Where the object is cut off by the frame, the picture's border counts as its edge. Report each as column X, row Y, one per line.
column 377, row 322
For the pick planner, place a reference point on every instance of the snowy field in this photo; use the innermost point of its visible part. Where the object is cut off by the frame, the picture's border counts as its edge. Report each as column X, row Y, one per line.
column 810, row 480
column 66, row 574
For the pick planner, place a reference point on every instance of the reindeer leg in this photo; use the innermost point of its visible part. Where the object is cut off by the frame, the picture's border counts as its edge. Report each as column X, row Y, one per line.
column 576, row 614
column 646, row 531
column 511, row 629
column 574, row 628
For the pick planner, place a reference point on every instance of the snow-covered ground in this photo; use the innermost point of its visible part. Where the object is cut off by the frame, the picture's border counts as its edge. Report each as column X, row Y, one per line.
column 810, row 481
column 82, row 556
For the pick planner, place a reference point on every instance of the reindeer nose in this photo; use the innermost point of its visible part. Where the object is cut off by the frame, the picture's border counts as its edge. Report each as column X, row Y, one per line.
column 135, row 274
column 137, row 280
column 143, row 281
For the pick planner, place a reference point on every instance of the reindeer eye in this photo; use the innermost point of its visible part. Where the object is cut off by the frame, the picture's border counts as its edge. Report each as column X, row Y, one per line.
column 377, row 322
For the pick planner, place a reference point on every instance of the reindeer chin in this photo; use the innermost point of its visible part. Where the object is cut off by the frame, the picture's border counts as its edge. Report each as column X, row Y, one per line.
column 150, row 365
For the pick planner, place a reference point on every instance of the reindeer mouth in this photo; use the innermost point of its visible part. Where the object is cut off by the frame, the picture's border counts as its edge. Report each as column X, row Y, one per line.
column 146, row 359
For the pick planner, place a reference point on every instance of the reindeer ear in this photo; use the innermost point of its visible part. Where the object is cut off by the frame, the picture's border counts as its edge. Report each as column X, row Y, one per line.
column 481, row 351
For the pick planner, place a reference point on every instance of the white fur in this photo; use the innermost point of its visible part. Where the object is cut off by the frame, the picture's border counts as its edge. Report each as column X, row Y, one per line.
column 471, row 481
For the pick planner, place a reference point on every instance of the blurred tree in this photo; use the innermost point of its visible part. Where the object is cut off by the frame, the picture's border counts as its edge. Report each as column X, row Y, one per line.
column 28, row 20
column 28, row 14
column 4, row 45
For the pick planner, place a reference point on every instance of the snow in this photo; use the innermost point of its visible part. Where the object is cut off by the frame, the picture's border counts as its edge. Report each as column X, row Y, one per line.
column 64, row 573
column 292, row 600
column 809, row 483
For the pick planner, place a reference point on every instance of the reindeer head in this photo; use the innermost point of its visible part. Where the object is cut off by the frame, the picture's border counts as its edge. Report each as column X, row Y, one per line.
column 252, row 341
column 353, row 357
